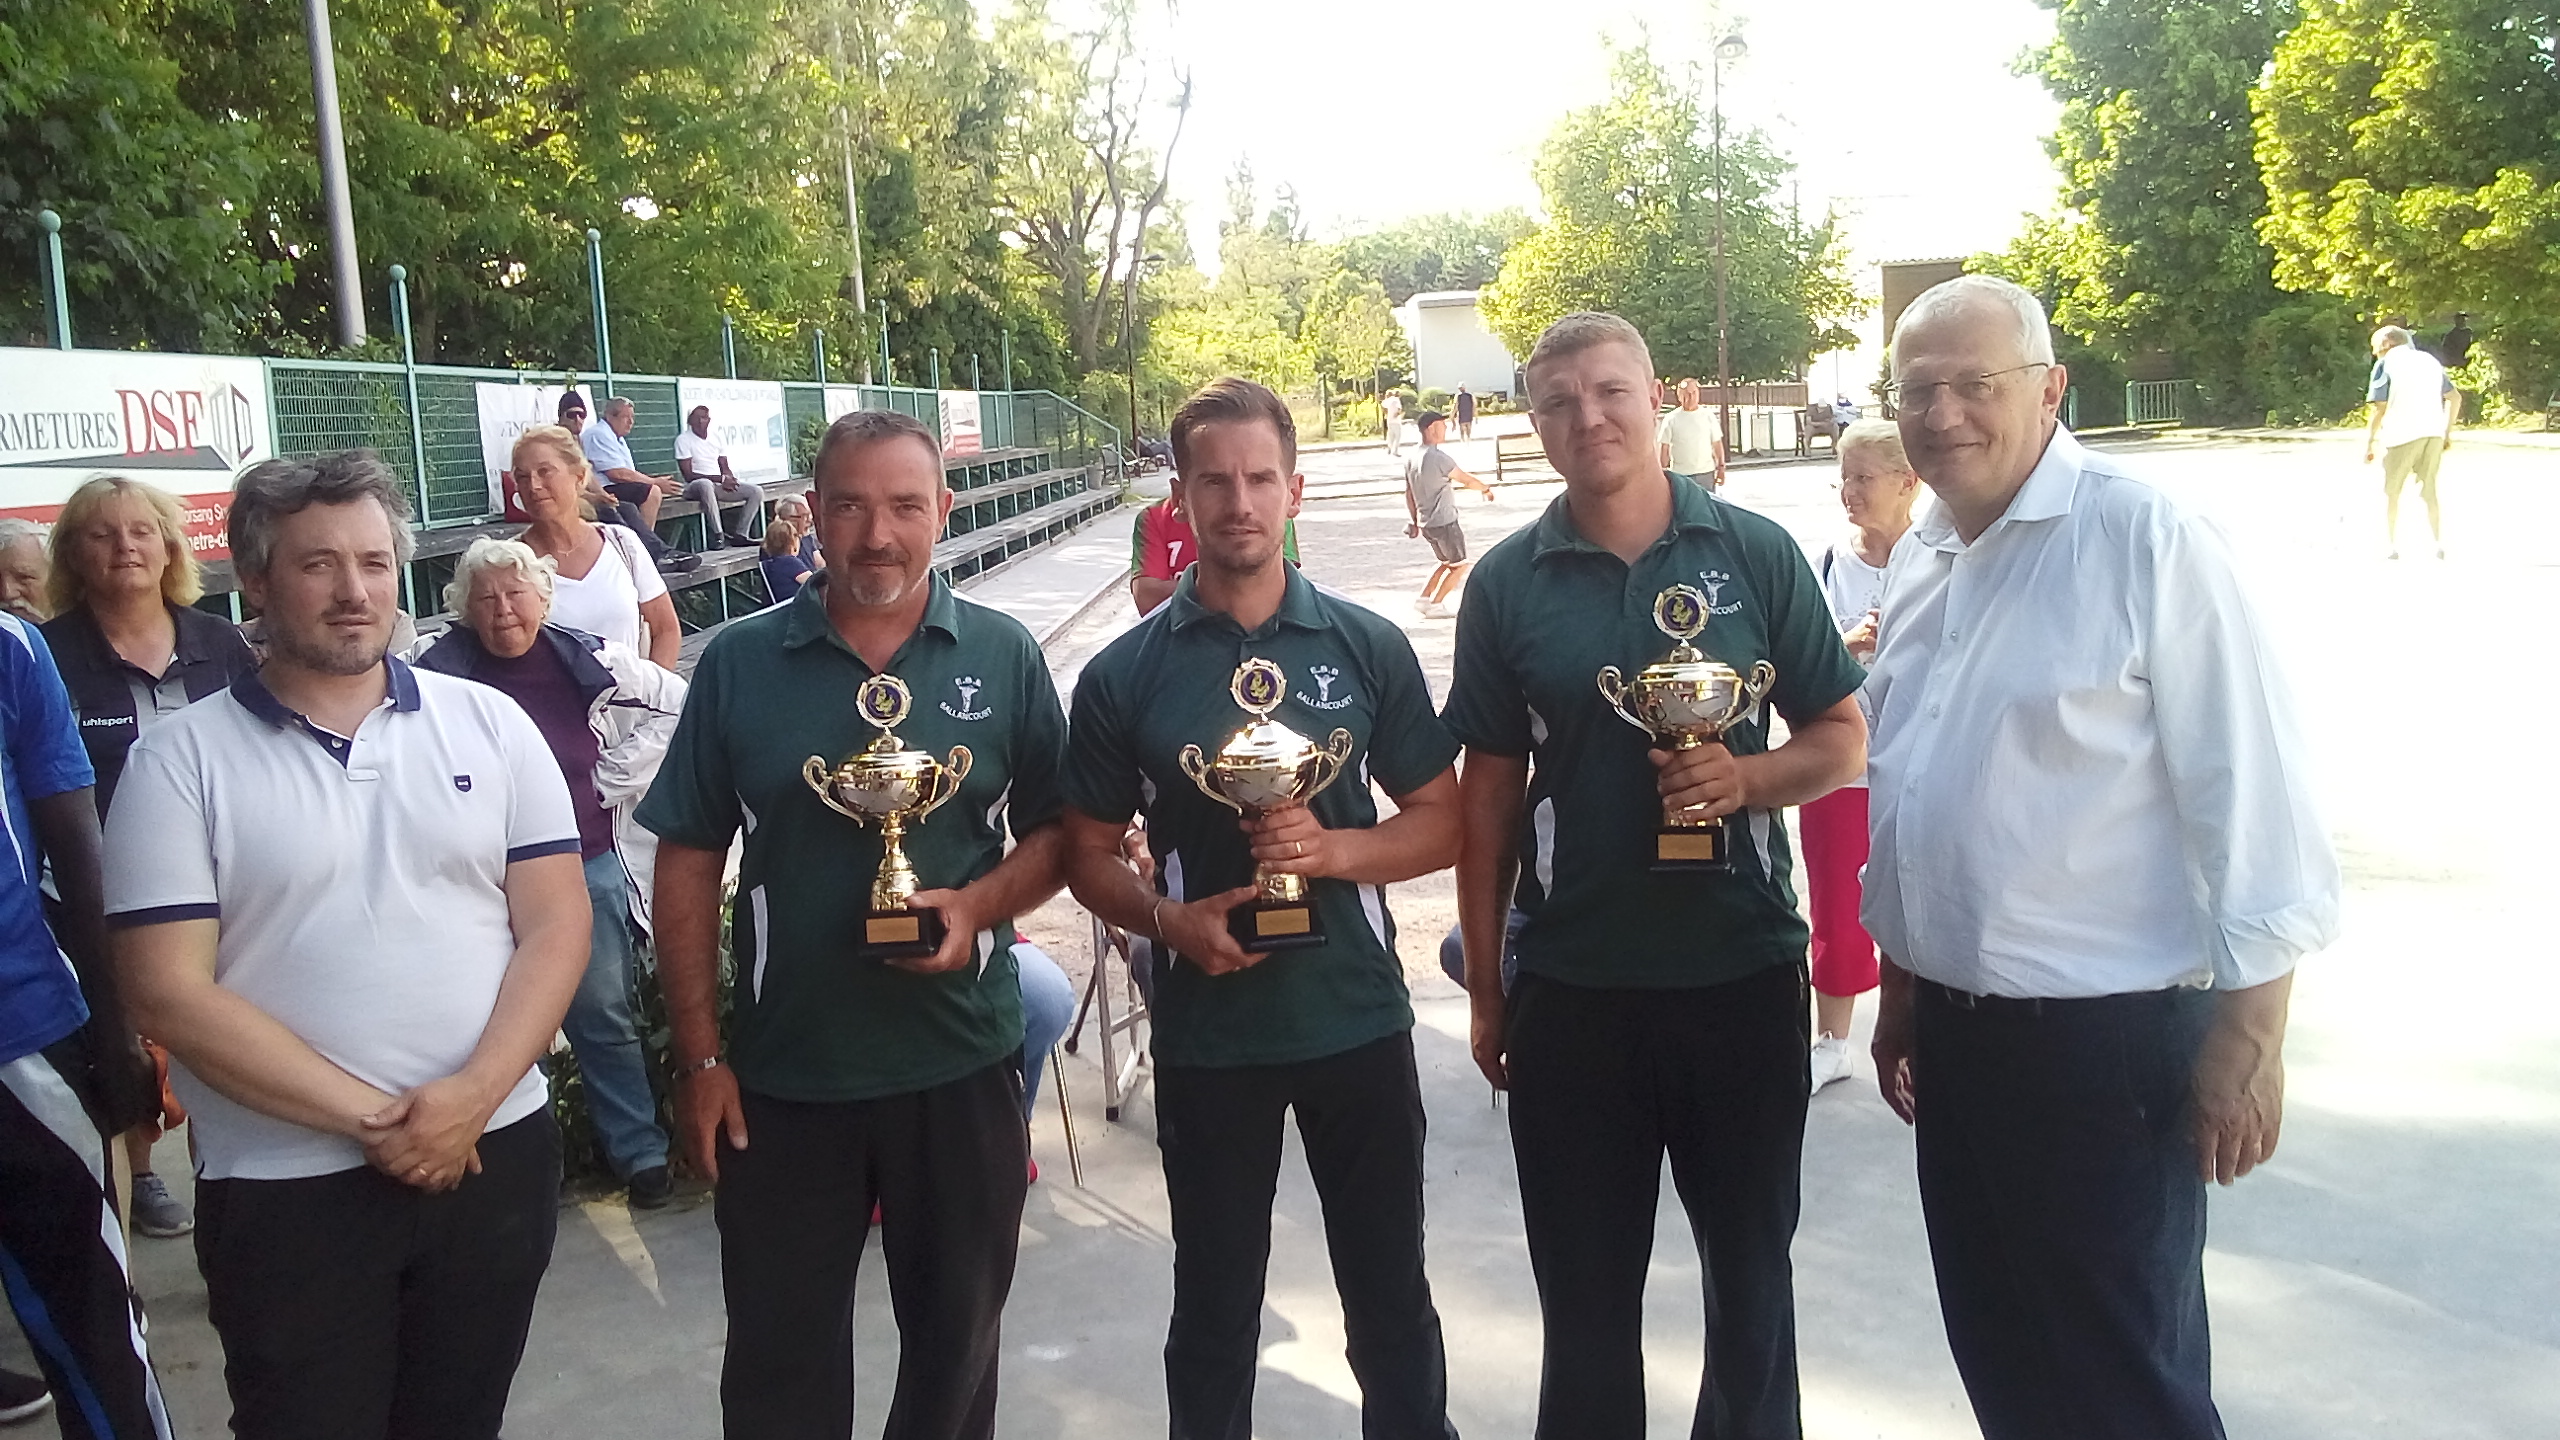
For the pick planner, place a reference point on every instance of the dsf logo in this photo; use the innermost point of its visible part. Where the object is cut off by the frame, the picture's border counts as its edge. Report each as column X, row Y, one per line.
column 221, row 420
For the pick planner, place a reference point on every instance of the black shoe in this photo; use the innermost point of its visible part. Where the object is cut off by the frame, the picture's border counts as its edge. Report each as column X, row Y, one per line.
column 679, row 562
column 22, row 1397
column 742, row 542
column 652, row 1188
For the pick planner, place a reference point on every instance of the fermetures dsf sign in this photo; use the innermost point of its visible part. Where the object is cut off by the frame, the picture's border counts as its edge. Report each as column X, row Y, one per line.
column 186, row 423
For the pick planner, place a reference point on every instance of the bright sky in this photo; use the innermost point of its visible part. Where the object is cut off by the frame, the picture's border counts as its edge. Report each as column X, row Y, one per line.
column 1906, row 117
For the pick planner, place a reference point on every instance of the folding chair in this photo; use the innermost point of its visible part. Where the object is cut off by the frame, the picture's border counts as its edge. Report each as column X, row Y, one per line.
column 1121, row 1074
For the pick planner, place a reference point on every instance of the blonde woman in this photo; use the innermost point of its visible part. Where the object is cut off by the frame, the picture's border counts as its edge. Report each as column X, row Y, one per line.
column 606, row 584
column 1877, row 490
column 132, row 652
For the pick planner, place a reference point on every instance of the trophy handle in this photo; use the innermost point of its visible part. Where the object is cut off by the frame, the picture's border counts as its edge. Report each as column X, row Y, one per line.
column 955, row 768
column 1614, row 691
column 1329, row 762
column 1763, row 676
column 1196, row 765
column 814, row 770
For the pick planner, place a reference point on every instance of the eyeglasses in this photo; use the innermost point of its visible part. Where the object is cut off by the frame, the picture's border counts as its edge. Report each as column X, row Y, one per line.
column 1919, row 399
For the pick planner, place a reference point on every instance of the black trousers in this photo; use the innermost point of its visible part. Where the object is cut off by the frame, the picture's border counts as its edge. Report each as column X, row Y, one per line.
column 351, row 1306
column 1360, row 1116
column 62, row 1252
column 628, row 496
column 948, row 1167
column 1604, row 1083
column 2066, row 1215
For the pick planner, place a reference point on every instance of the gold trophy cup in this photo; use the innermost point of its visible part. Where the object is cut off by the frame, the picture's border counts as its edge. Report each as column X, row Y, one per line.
column 1267, row 766
column 891, row 786
column 1685, row 700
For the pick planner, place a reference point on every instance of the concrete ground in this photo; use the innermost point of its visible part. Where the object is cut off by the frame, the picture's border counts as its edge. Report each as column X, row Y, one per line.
column 2395, row 1272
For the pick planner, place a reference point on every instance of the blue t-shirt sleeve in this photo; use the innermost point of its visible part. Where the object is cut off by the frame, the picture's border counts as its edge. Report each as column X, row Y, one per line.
column 45, row 754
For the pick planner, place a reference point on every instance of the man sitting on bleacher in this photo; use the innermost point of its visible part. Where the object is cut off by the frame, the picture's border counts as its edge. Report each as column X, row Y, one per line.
column 709, row 482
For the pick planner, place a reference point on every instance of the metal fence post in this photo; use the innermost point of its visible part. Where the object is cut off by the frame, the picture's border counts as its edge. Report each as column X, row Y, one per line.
column 884, row 344
column 728, row 345
column 973, row 370
column 934, row 355
column 595, row 291
column 417, row 426
column 1008, row 361
column 52, row 262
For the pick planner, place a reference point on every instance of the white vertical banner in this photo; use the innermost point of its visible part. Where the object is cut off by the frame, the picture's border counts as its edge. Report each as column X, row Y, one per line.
column 747, row 421
column 185, row 423
column 507, row 411
column 960, row 433
column 841, row 400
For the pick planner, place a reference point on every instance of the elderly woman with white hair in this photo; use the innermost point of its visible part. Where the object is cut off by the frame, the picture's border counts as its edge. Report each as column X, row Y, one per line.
column 608, row 714
column 1877, row 490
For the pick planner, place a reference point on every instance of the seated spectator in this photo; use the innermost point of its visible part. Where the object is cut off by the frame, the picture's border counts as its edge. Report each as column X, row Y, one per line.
column 614, row 509
column 784, row 571
column 703, row 465
column 23, row 567
column 607, row 714
column 795, row 508
column 133, row 651
column 609, row 452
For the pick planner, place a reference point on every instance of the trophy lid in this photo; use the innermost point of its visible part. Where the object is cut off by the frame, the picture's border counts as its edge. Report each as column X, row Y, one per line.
column 1681, row 613
column 1267, row 742
column 1259, row 687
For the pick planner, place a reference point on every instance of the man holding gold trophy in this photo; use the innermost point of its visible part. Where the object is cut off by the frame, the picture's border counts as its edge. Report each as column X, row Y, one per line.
column 1626, row 642
column 874, row 735
column 1247, row 717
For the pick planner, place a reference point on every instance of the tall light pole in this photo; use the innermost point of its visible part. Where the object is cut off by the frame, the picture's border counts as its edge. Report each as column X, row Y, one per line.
column 1129, row 335
column 852, row 192
column 346, row 285
column 1728, row 50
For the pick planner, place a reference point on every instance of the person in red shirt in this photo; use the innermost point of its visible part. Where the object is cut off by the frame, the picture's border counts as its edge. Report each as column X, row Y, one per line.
column 1161, row 547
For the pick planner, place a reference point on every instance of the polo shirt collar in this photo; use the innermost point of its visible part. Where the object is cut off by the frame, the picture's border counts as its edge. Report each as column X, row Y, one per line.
column 806, row 622
column 1692, row 508
column 2046, row 495
column 1298, row 604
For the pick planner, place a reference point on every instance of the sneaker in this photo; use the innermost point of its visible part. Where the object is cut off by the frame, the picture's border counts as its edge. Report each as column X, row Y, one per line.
column 22, row 1397
column 1830, row 1060
column 652, row 1188
column 679, row 562
column 1431, row 609
column 156, row 1212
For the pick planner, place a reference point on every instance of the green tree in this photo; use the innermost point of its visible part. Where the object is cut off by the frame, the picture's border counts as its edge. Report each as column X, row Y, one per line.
column 1630, row 193
column 1437, row 252
column 2411, row 155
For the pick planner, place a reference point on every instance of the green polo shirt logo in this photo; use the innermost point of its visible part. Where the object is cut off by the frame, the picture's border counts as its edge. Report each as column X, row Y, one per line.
column 810, row 1021
column 1544, row 611
column 1173, row 681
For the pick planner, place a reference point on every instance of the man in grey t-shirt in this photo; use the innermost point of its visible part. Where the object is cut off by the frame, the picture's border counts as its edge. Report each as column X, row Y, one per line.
column 1431, row 511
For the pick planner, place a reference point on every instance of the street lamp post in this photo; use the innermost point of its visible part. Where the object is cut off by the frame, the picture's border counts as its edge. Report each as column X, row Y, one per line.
column 1728, row 49
column 1129, row 336
column 595, row 296
column 346, row 285
column 51, row 225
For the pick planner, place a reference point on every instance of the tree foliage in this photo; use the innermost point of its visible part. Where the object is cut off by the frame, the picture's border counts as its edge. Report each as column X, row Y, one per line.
column 1630, row 190
column 1437, row 252
column 2411, row 150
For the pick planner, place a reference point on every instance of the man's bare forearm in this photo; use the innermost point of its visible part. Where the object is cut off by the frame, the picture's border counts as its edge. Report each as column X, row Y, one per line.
column 553, row 920
column 685, row 916
column 2257, row 1014
column 1034, row 870
column 1821, row 755
column 245, row 1054
column 66, row 827
column 1489, row 796
column 1422, row 836
column 1102, row 880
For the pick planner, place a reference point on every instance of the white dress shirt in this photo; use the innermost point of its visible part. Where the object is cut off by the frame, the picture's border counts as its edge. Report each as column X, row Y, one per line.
column 2086, row 775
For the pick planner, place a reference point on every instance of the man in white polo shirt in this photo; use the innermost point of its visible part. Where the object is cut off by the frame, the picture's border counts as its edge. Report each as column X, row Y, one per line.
column 703, row 464
column 347, row 898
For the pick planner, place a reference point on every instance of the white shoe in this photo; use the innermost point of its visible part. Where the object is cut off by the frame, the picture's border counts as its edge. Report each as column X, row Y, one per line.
column 1432, row 610
column 1830, row 1060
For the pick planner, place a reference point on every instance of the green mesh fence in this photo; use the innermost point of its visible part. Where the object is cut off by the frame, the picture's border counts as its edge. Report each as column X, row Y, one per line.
column 343, row 407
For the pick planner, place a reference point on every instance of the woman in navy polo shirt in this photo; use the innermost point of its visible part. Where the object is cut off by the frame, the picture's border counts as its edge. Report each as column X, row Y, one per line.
column 131, row 650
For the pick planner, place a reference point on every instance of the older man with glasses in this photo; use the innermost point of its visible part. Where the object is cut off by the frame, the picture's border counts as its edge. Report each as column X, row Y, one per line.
column 2095, row 864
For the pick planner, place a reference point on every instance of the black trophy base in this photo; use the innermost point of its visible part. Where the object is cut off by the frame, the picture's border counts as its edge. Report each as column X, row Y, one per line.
column 1266, row 925
column 1692, row 849
column 900, row 934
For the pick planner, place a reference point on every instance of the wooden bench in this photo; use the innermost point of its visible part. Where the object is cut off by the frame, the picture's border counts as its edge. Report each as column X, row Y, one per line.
column 1518, row 452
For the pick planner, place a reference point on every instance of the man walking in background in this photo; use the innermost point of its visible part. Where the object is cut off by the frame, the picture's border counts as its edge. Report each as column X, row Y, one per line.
column 1689, row 442
column 2414, row 410
column 1465, row 405
column 1431, row 512
column 1391, row 420
column 2071, row 685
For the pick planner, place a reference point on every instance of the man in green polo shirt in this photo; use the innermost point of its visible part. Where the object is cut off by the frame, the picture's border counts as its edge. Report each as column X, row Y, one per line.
column 1241, row 1038
column 1653, row 1011
column 858, row 1080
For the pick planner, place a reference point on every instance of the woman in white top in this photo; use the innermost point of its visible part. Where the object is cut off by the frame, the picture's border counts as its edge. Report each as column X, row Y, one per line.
column 606, row 584
column 1877, row 488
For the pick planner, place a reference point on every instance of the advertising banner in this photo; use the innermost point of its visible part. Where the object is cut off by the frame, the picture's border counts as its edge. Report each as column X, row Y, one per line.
column 746, row 420
column 842, row 400
column 186, row 423
column 507, row 411
column 960, row 434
